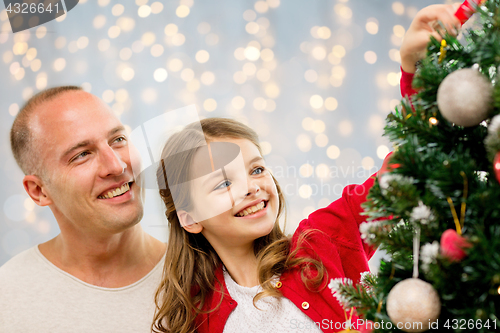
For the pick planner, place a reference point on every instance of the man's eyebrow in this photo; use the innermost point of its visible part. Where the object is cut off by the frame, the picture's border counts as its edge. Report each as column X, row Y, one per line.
column 117, row 129
column 75, row 147
column 88, row 142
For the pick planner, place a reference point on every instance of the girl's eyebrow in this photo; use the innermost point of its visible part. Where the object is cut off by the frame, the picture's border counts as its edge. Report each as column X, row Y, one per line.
column 218, row 173
column 212, row 176
column 255, row 159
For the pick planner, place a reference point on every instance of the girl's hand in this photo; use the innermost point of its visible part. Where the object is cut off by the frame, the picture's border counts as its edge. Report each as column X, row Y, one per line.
column 425, row 24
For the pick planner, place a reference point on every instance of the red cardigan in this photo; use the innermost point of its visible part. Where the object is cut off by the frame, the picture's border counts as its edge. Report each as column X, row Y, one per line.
column 339, row 246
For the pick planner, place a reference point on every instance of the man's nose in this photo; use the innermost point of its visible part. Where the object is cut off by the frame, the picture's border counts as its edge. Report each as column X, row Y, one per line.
column 112, row 163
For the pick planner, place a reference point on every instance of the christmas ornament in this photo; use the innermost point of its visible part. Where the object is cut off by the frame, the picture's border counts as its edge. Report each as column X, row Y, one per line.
column 453, row 245
column 366, row 327
column 496, row 166
column 442, row 51
column 465, row 97
column 414, row 305
column 452, row 242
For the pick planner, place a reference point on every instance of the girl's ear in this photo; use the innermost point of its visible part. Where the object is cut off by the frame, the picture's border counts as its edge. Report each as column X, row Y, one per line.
column 188, row 223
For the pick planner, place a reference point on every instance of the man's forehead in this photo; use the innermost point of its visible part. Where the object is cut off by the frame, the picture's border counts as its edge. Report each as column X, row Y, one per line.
column 69, row 101
column 71, row 108
column 73, row 117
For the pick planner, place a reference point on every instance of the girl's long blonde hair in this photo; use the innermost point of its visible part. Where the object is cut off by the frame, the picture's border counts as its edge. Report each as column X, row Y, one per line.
column 191, row 262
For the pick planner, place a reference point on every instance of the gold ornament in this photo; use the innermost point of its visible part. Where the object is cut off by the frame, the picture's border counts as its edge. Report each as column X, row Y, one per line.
column 413, row 305
column 443, row 51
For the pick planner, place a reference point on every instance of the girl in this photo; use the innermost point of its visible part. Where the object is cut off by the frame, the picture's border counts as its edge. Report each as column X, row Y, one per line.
column 220, row 269
column 229, row 267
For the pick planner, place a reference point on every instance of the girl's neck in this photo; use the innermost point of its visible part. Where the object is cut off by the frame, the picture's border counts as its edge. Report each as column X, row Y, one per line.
column 242, row 265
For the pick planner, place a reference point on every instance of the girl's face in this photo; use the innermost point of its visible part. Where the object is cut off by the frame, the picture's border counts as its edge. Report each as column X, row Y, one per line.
column 240, row 204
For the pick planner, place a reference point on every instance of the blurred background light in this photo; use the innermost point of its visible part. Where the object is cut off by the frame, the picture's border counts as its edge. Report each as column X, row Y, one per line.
column 314, row 79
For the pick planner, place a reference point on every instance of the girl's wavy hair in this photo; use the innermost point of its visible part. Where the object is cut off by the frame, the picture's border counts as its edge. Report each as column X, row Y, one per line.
column 191, row 260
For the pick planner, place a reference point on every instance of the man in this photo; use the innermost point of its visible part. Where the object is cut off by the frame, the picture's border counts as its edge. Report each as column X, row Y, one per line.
column 101, row 272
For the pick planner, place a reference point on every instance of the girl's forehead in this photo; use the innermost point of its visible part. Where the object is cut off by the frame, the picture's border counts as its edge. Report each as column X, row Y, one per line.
column 213, row 157
column 247, row 147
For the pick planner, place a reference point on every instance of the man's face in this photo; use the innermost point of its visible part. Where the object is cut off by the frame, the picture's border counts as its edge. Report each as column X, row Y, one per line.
column 88, row 161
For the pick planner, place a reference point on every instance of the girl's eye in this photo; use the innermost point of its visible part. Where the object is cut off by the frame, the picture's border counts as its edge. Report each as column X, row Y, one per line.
column 258, row 171
column 224, row 184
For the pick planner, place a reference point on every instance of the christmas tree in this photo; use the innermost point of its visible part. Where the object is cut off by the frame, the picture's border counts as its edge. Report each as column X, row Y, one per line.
column 435, row 208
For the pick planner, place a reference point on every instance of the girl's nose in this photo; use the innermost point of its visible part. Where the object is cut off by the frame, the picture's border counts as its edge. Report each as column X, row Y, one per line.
column 253, row 188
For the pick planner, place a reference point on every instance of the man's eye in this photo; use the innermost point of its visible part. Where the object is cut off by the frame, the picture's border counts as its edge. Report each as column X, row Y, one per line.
column 120, row 139
column 81, row 155
column 258, row 170
column 224, row 184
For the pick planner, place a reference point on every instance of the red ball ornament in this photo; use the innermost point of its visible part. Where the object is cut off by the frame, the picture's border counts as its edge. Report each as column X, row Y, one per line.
column 453, row 245
column 496, row 166
column 366, row 327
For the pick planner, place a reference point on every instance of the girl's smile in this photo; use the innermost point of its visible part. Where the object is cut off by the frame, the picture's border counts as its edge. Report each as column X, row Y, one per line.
column 251, row 210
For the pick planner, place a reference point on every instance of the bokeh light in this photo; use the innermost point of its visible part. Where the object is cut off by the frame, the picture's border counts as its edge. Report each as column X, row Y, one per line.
column 312, row 88
column 160, row 74
column 210, row 104
column 372, row 26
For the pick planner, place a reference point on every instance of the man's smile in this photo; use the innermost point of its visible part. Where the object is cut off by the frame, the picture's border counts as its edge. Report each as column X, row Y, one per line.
column 118, row 191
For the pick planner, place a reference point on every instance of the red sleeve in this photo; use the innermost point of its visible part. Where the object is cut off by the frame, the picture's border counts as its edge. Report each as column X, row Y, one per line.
column 341, row 219
column 406, row 81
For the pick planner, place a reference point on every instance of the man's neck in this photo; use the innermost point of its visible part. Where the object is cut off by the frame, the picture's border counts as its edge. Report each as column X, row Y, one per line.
column 110, row 261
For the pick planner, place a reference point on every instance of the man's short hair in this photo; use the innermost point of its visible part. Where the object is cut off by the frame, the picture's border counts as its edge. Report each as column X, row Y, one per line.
column 24, row 144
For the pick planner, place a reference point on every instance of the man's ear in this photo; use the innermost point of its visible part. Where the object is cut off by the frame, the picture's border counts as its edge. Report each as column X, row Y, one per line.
column 188, row 223
column 36, row 190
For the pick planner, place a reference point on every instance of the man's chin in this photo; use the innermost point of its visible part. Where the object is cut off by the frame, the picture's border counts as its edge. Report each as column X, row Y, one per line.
column 123, row 221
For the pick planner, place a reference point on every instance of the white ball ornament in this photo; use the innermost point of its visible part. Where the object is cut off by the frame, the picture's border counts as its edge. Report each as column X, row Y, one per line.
column 465, row 97
column 413, row 305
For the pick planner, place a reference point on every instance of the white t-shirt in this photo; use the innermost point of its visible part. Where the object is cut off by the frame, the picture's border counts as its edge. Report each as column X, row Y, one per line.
column 36, row 296
column 277, row 315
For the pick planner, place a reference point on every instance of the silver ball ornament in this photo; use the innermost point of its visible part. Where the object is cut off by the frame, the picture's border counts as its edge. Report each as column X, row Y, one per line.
column 414, row 305
column 465, row 97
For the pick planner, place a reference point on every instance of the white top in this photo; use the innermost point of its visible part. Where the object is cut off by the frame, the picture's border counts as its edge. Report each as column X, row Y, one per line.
column 276, row 314
column 36, row 296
